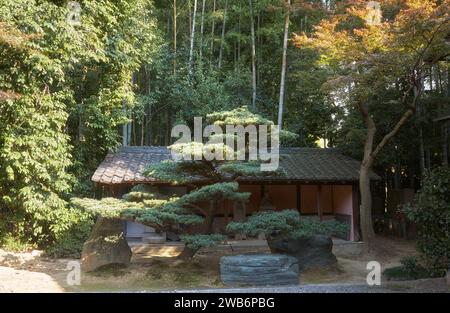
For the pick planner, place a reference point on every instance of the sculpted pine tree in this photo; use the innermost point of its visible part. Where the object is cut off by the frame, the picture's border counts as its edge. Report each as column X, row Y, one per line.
column 217, row 177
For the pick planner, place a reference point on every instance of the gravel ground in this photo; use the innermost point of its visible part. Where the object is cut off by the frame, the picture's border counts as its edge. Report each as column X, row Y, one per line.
column 30, row 272
column 437, row 285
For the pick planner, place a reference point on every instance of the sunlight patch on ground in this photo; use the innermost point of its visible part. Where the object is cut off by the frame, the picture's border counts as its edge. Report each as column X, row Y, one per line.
column 12, row 280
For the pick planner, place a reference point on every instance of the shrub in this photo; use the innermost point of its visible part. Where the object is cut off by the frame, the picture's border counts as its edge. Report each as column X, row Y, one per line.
column 70, row 244
column 410, row 269
column 431, row 212
column 199, row 241
column 286, row 223
column 12, row 244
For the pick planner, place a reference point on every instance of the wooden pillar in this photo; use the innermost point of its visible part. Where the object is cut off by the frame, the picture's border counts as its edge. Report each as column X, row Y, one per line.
column 319, row 202
column 111, row 191
column 332, row 199
column 299, row 198
column 226, row 211
column 262, row 191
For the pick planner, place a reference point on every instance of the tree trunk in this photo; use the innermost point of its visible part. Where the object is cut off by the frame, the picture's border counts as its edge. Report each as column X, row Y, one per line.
column 148, row 122
column 239, row 41
column 445, row 146
column 210, row 217
column 448, row 82
column 252, row 30
column 370, row 154
column 133, row 130
column 190, row 18
column 235, row 56
column 201, row 29
column 191, row 50
column 124, row 126
column 397, row 176
column 80, row 123
column 258, row 42
column 187, row 253
column 367, row 231
column 283, row 67
column 418, row 116
column 169, row 124
column 222, row 38
column 174, row 36
column 143, row 130
column 212, row 33
column 421, row 152
column 129, row 134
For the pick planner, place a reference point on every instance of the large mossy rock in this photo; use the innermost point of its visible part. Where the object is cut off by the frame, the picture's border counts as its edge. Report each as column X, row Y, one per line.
column 309, row 251
column 259, row 270
column 105, row 246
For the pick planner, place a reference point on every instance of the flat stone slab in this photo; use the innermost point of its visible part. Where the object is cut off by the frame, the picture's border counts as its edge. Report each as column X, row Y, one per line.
column 259, row 270
column 154, row 238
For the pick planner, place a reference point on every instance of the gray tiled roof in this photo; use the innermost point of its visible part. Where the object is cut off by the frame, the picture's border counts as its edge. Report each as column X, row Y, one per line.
column 300, row 164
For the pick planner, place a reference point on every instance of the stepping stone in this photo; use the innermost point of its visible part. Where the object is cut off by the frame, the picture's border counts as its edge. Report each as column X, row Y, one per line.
column 259, row 270
column 154, row 238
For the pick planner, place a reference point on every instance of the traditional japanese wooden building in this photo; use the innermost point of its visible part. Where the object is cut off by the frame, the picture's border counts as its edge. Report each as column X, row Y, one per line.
column 318, row 182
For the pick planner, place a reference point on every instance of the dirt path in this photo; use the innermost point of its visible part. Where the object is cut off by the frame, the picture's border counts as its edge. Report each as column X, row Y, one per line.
column 12, row 280
column 158, row 270
column 29, row 272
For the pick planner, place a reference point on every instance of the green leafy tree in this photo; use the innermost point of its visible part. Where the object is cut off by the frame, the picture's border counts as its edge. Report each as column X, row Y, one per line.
column 371, row 58
column 64, row 91
column 34, row 150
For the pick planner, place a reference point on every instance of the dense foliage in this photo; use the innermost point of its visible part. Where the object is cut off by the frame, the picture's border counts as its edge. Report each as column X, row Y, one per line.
column 129, row 70
column 286, row 223
column 431, row 212
column 62, row 93
column 410, row 269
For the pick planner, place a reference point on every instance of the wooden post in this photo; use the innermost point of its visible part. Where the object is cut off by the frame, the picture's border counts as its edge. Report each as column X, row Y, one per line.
column 332, row 199
column 261, row 197
column 299, row 198
column 319, row 202
column 226, row 211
